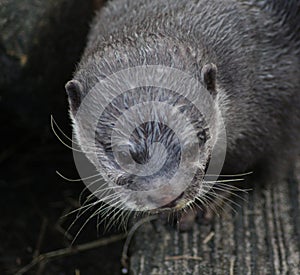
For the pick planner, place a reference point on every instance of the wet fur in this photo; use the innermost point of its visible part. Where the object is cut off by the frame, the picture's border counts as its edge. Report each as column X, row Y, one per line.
column 255, row 47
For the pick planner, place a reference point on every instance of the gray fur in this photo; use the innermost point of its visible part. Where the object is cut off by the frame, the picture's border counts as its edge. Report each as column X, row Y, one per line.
column 254, row 45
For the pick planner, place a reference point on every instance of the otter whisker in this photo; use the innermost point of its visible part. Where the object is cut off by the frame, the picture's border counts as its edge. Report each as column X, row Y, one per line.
column 217, row 181
column 91, row 197
column 121, row 221
column 190, row 207
column 108, row 195
column 102, row 192
column 124, row 224
column 221, row 184
column 233, row 175
column 76, row 210
column 184, row 210
column 100, row 213
column 219, row 195
column 109, row 188
column 233, row 188
column 207, row 203
column 76, row 180
column 202, row 200
column 83, row 209
column 120, row 209
column 85, row 223
column 116, row 219
column 116, row 216
column 196, row 206
column 138, row 214
column 219, row 202
column 86, row 188
column 230, row 188
column 75, row 220
column 112, row 204
column 230, row 193
column 68, row 146
column 88, row 206
column 81, row 228
column 225, row 186
column 223, row 197
column 54, row 123
column 94, row 193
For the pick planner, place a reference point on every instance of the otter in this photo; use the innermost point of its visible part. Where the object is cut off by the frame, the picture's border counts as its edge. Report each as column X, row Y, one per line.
column 245, row 57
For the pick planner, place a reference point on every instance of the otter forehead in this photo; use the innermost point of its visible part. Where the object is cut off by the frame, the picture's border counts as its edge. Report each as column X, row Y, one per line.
column 146, row 50
column 150, row 122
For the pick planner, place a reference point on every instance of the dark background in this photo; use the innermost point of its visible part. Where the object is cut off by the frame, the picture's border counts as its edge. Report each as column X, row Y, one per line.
column 40, row 43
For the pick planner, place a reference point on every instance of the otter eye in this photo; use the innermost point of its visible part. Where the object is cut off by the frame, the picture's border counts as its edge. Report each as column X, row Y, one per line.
column 123, row 157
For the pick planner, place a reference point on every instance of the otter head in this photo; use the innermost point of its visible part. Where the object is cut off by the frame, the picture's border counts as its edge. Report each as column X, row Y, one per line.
column 151, row 139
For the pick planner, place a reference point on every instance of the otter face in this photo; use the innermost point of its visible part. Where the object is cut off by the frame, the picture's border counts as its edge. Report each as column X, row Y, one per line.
column 152, row 145
column 150, row 159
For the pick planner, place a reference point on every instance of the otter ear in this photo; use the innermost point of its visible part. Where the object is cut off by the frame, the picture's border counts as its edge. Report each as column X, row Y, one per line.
column 209, row 77
column 74, row 91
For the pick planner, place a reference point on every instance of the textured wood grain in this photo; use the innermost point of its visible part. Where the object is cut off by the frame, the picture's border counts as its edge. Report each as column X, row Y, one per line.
column 263, row 237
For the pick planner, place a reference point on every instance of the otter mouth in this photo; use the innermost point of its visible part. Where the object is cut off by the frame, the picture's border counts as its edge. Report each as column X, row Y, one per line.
column 173, row 203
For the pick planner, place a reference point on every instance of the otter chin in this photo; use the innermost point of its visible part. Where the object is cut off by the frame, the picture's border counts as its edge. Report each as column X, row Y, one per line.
column 168, row 95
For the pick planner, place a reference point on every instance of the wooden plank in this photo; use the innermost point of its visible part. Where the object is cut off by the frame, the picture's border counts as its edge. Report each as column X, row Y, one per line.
column 263, row 237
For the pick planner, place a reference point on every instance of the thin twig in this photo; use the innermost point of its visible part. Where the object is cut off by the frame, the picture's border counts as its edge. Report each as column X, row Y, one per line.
column 231, row 269
column 124, row 258
column 71, row 250
column 182, row 257
column 41, row 238
column 208, row 237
